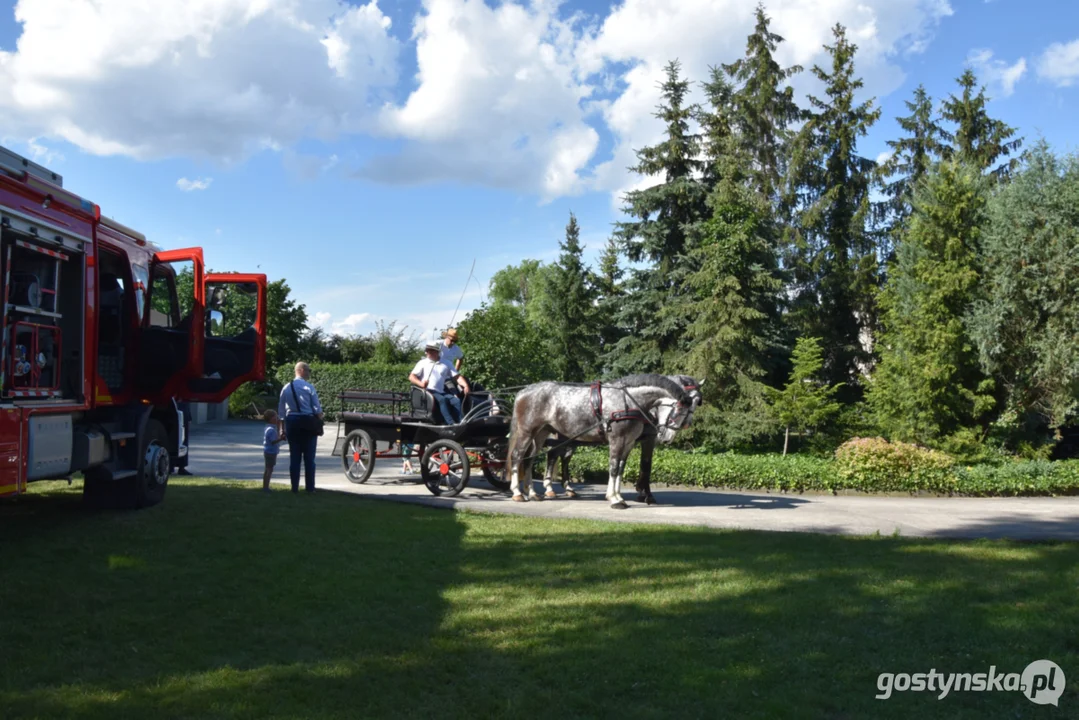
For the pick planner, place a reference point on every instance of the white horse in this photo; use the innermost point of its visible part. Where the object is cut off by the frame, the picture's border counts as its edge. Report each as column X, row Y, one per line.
column 563, row 450
column 615, row 414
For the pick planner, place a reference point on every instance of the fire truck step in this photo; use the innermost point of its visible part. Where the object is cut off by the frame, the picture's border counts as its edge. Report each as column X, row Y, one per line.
column 121, row 436
column 122, row 474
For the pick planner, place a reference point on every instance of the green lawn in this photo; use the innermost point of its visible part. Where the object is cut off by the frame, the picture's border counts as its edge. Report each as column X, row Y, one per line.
column 225, row 602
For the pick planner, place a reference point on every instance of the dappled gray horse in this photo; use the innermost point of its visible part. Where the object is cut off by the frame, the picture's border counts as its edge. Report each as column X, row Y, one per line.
column 615, row 414
column 564, row 451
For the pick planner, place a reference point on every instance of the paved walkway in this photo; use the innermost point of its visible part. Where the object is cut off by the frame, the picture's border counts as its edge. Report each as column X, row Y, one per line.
column 232, row 450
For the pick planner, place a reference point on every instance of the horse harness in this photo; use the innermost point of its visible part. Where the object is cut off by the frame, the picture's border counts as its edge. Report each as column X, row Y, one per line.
column 595, row 397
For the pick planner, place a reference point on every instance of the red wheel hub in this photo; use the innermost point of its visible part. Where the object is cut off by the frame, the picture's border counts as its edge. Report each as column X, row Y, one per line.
column 444, row 468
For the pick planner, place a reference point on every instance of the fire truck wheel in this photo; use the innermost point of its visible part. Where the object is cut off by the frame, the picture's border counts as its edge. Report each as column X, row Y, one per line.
column 153, row 477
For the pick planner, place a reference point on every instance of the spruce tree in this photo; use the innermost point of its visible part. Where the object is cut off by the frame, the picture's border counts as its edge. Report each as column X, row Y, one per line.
column 571, row 311
column 717, row 125
column 730, row 301
column 732, row 306
column 912, row 157
column 928, row 384
column 664, row 213
column 834, row 255
column 609, row 290
column 762, row 107
column 804, row 402
column 978, row 139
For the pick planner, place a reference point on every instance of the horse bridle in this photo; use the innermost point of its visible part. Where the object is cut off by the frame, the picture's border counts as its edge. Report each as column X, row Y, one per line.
column 629, row 414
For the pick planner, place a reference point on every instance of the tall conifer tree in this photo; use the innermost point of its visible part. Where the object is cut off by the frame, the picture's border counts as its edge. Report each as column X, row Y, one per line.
column 572, row 313
column 763, row 107
column 978, row 140
column 664, row 214
column 912, row 157
column 834, row 254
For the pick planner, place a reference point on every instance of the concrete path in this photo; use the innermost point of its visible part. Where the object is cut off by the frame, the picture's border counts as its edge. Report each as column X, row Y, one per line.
column 232, row 450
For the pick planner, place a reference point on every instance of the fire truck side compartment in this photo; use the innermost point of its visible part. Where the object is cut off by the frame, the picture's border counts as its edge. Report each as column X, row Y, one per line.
column 50, row 446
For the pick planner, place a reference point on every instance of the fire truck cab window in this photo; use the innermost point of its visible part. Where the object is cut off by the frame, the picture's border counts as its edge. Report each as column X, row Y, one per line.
column 230, row 321
column 164, row 308
column 113, row 312
column 165, row 345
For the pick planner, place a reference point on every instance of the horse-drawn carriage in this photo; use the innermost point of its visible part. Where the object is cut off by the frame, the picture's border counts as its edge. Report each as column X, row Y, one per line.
column 447, row 452
column 556, row 417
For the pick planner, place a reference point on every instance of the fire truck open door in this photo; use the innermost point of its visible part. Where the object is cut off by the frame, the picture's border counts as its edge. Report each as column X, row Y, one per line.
column 234, row 336
column 172, row 347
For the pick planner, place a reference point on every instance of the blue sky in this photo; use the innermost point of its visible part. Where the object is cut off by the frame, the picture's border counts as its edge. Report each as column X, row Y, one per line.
column 368, row 153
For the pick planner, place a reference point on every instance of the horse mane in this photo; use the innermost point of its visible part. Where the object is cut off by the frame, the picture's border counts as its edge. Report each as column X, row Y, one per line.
column 654, row 380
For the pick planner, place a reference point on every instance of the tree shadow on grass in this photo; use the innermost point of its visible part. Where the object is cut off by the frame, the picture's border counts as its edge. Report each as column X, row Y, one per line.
column 333, row 606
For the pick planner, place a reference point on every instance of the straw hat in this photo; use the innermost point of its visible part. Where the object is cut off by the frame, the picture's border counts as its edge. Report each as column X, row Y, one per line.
column 451, row 334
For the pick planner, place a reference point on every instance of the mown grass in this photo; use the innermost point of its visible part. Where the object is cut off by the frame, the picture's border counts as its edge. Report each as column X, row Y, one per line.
column 225, row 602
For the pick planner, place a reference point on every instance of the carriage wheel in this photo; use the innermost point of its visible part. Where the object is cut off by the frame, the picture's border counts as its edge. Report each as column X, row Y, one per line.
column 494, row 471
column 358, row 457
column 444, row 468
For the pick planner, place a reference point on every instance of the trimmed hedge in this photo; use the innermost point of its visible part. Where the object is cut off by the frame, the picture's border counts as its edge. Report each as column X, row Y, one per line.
column 329, row 380
column 794, row 473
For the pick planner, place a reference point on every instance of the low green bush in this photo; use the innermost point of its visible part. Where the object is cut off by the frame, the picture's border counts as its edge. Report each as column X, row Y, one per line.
column 865, row 467
column 876, row 464
column 329, row 380
column 794, row 473
column 241, row 401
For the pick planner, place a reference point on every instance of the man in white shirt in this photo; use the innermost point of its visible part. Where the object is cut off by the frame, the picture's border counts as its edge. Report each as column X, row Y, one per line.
column 431, row 374
column 451, row 352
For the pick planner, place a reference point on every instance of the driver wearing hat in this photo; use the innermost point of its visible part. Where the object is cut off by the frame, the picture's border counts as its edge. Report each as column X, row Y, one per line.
column 431, row 375
column 450, row 350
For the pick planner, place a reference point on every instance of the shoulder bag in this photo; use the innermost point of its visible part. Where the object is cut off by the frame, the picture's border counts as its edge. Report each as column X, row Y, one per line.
column 307, row 423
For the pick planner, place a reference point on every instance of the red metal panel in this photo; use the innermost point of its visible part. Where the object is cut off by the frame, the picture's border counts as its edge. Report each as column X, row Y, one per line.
column 10, row 451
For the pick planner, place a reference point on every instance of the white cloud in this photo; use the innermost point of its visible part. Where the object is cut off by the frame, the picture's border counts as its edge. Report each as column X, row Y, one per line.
column 320, row 319
column 505, row 94
column 216, row 78
column 885, row 156
column 498, row 101
column 351, row 324
column 189, row 185
column 997, row 72
column 1059, row 63
column 699, row 33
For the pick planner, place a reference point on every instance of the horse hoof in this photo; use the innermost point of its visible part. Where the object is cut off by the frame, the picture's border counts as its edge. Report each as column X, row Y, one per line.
column 519, row 498
column 571, row 494
column 537, row 498
column 550, row 495
column 620, row 506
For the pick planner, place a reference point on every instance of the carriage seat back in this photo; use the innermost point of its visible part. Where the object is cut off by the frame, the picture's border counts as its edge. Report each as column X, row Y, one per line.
column 423, row 404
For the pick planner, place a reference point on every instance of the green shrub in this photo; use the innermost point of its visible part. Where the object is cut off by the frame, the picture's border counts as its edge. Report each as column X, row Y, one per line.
column 329, row 380
column 1032, row 477
column 794, row 473
column 876, row 464
column 867, row 465
column 243, row 398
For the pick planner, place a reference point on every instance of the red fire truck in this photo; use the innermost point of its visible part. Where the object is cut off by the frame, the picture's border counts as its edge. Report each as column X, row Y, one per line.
column 103, row 333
